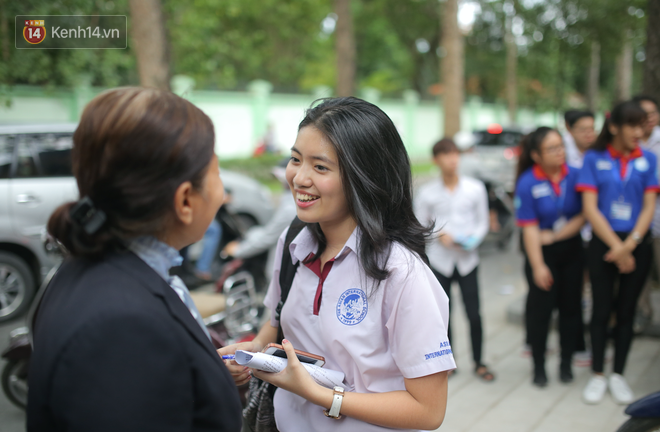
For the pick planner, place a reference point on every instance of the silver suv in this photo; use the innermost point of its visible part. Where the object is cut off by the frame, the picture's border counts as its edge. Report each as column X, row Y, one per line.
column 35, row 178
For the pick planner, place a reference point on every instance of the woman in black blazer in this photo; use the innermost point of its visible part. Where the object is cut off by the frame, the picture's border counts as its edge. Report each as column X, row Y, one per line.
column 118, row 343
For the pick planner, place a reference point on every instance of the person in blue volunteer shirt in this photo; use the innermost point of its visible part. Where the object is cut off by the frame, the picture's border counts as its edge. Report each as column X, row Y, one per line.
column 619, row 187
column 548, row 209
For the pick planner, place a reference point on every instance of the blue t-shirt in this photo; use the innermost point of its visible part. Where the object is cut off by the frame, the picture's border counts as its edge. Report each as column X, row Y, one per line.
column 539, row 201
column 620, row 183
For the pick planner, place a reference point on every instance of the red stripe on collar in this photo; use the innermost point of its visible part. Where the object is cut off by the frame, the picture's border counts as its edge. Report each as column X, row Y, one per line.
column 539, row 174
column 623, row 159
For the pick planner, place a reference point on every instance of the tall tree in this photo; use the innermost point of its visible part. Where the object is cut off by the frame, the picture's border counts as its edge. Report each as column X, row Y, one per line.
column 594, row 77
column 345, row 47
column 511, row 67
column 452, row 68
column 150, row 42
column 651, row 84
column 624, row 66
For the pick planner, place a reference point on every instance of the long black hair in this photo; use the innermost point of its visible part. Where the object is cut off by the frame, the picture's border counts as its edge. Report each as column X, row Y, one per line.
column 624, row 113
column 375, row 173
column 531, row 143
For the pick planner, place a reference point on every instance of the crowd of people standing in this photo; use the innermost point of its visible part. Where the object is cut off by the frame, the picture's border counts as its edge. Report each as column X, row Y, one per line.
column 587, row 202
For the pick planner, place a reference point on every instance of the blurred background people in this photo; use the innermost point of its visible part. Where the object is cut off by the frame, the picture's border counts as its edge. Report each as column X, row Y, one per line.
column 579, row 136
column 619, row 185
column 651, row 141
column 549, row 211
column 262, row 238
column 118, row 343
column 458, row 206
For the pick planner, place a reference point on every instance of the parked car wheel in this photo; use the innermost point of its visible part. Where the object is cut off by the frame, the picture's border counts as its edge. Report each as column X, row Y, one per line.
column 17, row 286
column 14, row 382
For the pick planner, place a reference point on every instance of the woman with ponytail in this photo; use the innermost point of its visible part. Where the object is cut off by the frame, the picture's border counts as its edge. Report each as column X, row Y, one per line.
column 549, row 211
column 619, row 186
column 118, row 343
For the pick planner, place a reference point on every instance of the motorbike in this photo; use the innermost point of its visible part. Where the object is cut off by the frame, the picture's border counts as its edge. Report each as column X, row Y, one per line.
column 644, row 415
column 231, row 315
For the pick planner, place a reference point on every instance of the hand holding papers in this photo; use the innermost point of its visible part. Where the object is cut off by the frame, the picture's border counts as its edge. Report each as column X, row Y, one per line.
column 268, row 363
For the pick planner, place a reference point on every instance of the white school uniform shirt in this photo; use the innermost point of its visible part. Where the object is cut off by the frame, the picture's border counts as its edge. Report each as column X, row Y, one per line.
column 574, row 157
column 376, row 338
column 461, row 212
column 653, row 144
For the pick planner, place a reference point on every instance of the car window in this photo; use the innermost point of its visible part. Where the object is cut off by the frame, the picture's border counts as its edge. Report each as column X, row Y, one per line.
column 6, row 155
column 53, row 154
column 25, row 165
column 506, row 138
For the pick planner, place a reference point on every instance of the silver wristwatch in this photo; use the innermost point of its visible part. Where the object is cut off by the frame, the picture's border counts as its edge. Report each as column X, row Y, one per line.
column 337, row 398
column 636, row 237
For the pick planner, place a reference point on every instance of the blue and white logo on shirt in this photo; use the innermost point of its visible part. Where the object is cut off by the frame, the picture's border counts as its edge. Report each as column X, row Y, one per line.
column 641, row 164
column 352, row 306
column 541, row 190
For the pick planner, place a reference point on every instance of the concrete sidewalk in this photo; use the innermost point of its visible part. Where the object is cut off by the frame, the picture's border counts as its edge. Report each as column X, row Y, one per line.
column 512, row 403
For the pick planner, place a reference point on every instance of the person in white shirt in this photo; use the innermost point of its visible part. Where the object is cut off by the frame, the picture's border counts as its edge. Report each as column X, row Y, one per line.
column 363, row 297
column 650, row 141
column 458, row 206
column 259, row 239
column 579, row 136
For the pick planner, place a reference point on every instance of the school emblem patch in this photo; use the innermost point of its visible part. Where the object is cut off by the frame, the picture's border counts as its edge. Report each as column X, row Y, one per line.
column 352, row 306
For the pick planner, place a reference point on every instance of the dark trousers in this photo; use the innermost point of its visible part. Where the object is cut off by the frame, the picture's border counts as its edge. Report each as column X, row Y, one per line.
column 470, row 292
column 605, row 300
column 565, row 259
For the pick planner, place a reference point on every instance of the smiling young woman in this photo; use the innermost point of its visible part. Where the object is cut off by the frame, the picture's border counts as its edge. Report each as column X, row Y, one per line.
column 364, row 296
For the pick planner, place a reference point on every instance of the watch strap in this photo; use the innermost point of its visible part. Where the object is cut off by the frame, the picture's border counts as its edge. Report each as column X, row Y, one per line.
column 337, row 399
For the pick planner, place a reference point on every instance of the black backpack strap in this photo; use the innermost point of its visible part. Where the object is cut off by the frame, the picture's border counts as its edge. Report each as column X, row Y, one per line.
column 287, row 269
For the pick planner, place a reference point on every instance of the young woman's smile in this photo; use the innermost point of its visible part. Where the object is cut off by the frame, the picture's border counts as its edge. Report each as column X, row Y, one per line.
column 314, row 177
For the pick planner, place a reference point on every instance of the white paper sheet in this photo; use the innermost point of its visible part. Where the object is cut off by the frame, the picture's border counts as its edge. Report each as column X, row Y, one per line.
column 268, row 363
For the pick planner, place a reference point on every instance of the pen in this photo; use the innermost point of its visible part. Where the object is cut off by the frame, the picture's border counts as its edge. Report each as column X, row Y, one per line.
column 228, row 357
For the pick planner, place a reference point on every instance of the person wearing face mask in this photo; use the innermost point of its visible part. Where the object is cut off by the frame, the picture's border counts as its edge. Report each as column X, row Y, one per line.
column 619, row 186
column 549, row 211
column 579, row 136
column 118, row 343
column 363, row 295
column 458, row 206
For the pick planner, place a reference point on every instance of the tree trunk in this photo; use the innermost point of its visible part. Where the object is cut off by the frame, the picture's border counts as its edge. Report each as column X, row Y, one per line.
column 511, row 72
column 451, row 68
column 345, row 47
column 150, row 43
column 651, row 82
column 624, row 71
column 4, row 32
column 594, row 77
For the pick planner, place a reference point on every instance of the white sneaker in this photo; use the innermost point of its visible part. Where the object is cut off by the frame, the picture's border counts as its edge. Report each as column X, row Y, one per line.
column 595, row 390
column 620, row 390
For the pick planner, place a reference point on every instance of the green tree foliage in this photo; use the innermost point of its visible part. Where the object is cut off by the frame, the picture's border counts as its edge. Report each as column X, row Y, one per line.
column 62, row 67
column 227, row 43
column 554, row 40
column 224, row 44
